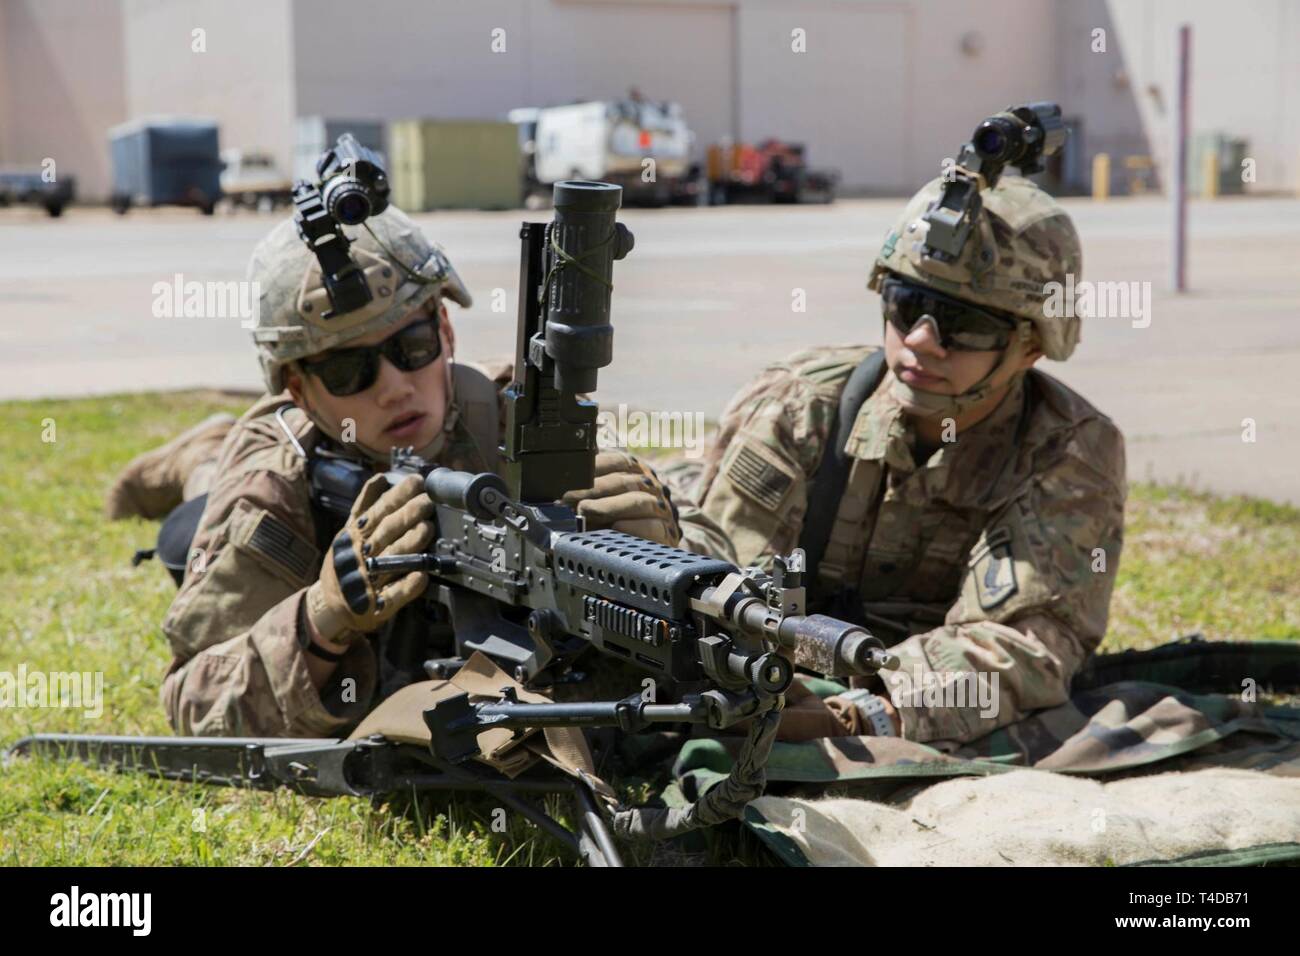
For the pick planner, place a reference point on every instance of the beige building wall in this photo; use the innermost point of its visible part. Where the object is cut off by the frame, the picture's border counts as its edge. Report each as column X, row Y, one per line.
column 61, row 86
column 1245, row 76
column 415, row 59
column 966, row 61
column 888, row 88
column 1098, row 86
column 681, row 52
column 884, row 92
column 829, row 75
column 6, row 84
column 243, row 78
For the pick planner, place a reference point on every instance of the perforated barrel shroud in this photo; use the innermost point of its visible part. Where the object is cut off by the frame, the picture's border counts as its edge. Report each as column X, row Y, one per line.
column 632, row 571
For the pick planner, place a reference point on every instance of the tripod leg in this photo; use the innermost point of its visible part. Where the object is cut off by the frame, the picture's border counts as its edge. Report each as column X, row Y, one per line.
column 539, row 817
column 592, row 827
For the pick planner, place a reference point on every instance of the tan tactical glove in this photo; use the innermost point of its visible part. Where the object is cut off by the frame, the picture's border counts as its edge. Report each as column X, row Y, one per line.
column 629, row 497
column 346, row 603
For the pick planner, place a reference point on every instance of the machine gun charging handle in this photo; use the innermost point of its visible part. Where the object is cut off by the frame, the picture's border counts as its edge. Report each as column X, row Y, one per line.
column 481, row 495
column 405, row 563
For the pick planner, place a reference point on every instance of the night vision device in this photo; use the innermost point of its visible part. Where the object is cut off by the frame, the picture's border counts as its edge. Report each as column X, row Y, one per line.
column 1020, row 136
column 351, row 186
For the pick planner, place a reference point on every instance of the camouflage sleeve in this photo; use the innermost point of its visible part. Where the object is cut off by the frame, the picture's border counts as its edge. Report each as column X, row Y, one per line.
column 752, row 494
column 1033, row 604
column 235, row 625
column 256, row 684
column 701, row 534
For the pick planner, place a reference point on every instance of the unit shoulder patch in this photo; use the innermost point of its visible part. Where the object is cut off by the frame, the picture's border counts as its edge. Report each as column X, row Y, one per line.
column 995, row 576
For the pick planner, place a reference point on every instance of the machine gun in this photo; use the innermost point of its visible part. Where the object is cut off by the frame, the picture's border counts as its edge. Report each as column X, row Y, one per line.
column 688, row 620
column 526, row 585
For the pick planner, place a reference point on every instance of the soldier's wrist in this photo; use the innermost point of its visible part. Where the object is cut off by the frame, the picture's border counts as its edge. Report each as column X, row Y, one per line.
column 877, row 712
column 330, row 653
column 326, row 624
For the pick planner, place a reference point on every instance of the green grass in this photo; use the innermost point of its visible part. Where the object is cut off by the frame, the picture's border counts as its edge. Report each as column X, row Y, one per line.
column 70, row 600
column 1226, row 566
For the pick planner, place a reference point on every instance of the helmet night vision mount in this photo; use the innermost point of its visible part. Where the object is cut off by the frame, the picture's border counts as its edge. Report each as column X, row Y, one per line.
column 351, row 187
column 1019, row 136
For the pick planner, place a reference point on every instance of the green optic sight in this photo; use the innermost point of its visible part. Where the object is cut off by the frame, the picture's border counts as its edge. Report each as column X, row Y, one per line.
column 564, row 338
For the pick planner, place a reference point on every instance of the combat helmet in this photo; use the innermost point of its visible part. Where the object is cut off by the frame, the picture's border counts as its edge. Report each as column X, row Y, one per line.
column 1021, row 241
column 403, row 269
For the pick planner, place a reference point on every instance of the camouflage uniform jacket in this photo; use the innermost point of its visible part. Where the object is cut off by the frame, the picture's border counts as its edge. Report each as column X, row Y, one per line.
column 235, row 625
column 988, row 565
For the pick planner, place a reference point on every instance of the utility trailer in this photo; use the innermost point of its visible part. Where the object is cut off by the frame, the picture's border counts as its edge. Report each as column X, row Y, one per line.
column 165, row 161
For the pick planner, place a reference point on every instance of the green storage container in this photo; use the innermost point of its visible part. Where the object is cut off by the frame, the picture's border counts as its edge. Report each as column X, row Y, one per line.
column 1230, row 152
column 455, row 164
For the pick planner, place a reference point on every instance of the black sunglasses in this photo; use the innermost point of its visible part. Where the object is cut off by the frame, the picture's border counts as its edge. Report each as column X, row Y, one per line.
column 960, row 326
column 352, row 370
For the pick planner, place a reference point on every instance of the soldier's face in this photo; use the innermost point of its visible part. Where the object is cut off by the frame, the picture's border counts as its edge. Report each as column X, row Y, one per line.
column 919, row 360
column 400, row 408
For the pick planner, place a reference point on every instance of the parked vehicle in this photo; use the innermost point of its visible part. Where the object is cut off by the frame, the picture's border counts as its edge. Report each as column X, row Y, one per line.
column 643, row 146
column 773, row 171
column 251, row 179
column 24, row 186
column 165, row 161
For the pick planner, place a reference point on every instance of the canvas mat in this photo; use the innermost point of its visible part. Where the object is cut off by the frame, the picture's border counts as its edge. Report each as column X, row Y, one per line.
column 1179, row 775
column 1037, row 818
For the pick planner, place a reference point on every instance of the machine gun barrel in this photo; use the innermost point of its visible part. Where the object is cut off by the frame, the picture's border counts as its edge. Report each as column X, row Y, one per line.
column 821, row 643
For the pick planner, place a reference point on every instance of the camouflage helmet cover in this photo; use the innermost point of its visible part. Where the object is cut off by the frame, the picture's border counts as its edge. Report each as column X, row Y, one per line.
column 1021, row 241
column 292, row 298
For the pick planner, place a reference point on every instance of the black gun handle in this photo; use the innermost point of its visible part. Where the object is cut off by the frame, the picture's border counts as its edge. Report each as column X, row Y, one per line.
column 404, row 563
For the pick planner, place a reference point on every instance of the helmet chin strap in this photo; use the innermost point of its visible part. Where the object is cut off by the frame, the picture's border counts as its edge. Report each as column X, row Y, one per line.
column 382, row 458
column 924, row 404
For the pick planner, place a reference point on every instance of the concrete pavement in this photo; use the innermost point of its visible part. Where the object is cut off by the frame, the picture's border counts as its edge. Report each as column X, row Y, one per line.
column 706, row 299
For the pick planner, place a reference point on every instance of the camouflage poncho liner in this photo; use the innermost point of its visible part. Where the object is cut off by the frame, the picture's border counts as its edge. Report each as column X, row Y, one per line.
column 1178, row 708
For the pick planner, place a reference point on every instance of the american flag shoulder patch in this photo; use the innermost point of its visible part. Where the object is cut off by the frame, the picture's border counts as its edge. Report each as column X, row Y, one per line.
column 761, row 475
column 275, row 545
